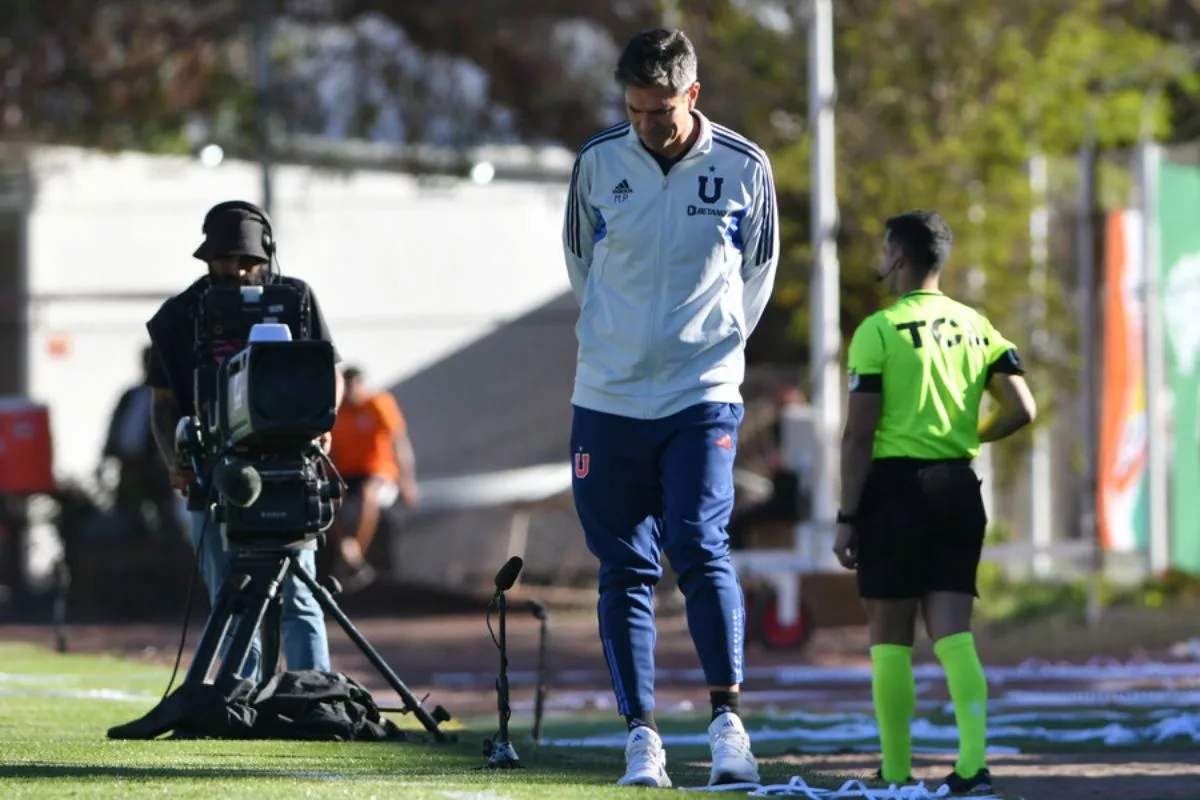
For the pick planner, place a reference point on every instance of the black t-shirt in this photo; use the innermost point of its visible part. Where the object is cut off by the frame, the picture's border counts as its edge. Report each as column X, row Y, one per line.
column 173, row 347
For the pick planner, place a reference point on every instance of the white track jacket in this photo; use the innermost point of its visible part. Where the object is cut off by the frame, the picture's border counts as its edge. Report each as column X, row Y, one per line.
column 672, row 272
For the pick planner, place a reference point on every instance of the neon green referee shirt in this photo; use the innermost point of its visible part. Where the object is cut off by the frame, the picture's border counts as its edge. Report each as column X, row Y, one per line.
column 931, row 357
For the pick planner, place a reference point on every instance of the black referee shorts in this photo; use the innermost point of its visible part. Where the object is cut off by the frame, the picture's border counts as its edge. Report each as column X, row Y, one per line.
column 920, row 529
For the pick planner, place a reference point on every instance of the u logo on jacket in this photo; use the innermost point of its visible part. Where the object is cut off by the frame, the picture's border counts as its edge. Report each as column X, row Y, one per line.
column 582, row 465
column 716, row 192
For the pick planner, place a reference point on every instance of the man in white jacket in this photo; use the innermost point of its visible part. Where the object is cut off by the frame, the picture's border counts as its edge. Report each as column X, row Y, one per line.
column 671, row 242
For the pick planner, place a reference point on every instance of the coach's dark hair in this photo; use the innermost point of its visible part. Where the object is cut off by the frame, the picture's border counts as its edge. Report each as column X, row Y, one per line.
column 924, row 237
column 661, row 58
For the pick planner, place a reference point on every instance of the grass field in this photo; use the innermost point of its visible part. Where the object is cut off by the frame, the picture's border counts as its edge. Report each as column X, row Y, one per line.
column 56, row 708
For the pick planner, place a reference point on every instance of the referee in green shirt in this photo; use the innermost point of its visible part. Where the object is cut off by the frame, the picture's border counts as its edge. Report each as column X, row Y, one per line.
column 912, row 519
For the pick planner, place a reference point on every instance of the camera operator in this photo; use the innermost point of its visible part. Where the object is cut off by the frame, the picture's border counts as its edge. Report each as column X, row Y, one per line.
column 238, row 249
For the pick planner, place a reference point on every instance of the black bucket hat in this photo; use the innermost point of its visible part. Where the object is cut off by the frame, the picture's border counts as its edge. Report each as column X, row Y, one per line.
column 234, row 232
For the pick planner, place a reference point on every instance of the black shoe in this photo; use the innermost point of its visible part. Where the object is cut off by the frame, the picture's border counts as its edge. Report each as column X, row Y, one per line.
column 981, row 783
column 879, row 777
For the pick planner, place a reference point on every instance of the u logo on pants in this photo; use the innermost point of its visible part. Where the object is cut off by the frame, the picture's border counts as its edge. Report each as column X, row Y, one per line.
column 582, row 464
column 645, row 487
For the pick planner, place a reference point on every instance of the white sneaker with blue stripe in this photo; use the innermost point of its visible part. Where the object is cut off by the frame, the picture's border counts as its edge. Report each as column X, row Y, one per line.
column 645, row 760
column 732, row 761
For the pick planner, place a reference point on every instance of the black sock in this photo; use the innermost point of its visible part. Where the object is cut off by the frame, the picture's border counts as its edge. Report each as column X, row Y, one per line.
column 724, row 702
column 645, row 720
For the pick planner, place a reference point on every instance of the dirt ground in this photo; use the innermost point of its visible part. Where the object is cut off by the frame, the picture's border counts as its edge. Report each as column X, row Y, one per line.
column 451, row 658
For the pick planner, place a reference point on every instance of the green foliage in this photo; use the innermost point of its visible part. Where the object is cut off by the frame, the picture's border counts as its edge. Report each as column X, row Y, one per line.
column 940, row 104
column 117, row 75
column 1005, row 599
column 1008, row 600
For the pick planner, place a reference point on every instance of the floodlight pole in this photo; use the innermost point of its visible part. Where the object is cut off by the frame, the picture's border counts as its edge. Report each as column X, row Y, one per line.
column 1148, row 160
column 264, row 99
column 825, row 333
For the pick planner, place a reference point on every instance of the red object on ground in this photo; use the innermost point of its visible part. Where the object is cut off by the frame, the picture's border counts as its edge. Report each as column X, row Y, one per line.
column 26, row 447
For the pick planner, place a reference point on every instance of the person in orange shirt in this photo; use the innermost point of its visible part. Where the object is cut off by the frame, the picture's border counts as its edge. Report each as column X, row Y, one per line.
column 372, row 451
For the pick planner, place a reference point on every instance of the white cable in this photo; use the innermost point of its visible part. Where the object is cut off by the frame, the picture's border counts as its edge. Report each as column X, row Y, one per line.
column 798, row 787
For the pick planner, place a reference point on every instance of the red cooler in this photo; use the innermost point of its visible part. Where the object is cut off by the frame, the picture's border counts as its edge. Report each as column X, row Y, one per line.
column 26, row 447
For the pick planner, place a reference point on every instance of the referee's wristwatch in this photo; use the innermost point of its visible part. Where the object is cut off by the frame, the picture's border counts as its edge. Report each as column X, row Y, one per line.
column 845, row 519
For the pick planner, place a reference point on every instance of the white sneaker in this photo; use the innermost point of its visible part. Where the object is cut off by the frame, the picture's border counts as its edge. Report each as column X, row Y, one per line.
column 732, row 761
column 645, row 760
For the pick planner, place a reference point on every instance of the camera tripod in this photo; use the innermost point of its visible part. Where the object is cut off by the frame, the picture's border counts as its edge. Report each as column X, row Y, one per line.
column 251, row 596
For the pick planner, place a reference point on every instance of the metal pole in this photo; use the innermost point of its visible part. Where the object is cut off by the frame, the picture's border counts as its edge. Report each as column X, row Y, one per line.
column 1041, row 512
column 1149, row 155
column 975, row 284
column 671, row 16
column 1085, row 254
column 22, row 318
column 264, row 96
column 825, row 300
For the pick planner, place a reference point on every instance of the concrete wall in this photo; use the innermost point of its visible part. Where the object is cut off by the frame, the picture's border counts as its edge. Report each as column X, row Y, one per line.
column 408, row 270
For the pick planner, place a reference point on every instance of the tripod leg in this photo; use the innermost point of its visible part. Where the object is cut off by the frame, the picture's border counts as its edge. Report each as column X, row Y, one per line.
column 173, row 710
column 215, row 628
column 542, row 688
column 411, row 703
column 266, row 573
column 252, row 583
column 272, row 637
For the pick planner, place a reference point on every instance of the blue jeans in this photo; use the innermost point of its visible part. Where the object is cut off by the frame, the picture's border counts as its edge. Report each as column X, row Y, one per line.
column 302, row 623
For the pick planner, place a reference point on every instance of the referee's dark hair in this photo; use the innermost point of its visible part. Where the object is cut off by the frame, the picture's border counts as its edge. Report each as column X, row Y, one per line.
column 924, row 237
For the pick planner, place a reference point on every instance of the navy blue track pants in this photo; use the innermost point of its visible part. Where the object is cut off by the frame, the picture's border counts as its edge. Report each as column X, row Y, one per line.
column 645, row 487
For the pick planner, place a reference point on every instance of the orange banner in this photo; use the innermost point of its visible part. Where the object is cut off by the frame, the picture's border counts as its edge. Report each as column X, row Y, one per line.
column 1121, row 493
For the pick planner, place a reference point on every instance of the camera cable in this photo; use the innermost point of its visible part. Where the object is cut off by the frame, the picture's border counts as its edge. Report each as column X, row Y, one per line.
column 191, row 594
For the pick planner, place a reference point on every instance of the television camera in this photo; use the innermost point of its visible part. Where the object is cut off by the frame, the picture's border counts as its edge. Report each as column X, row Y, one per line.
column 259, row 411
column 264, row 393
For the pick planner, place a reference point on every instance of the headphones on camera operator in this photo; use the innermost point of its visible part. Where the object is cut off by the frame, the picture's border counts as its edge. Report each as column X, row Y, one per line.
column 228, row 212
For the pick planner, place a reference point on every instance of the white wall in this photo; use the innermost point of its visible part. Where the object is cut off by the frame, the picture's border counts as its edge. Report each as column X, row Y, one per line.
column 407, row 272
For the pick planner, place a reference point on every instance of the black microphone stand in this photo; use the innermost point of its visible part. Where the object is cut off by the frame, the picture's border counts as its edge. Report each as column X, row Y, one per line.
column 499, row 750
column 539, row 705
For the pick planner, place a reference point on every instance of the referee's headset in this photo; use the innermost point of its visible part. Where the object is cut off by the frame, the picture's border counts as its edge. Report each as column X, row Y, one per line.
column 268, row 235
column 884, row 276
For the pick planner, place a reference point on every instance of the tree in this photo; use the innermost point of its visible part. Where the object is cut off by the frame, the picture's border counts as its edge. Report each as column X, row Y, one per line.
column 150, row 75
column 117, row 73
column 534, row 52
column 940, row 104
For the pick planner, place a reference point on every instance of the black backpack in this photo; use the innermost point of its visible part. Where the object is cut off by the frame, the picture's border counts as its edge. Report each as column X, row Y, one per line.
column 299, row 704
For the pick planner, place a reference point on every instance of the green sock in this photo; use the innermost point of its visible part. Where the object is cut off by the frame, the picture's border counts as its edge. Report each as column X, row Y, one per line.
column 895, row 697
column 968, row 691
